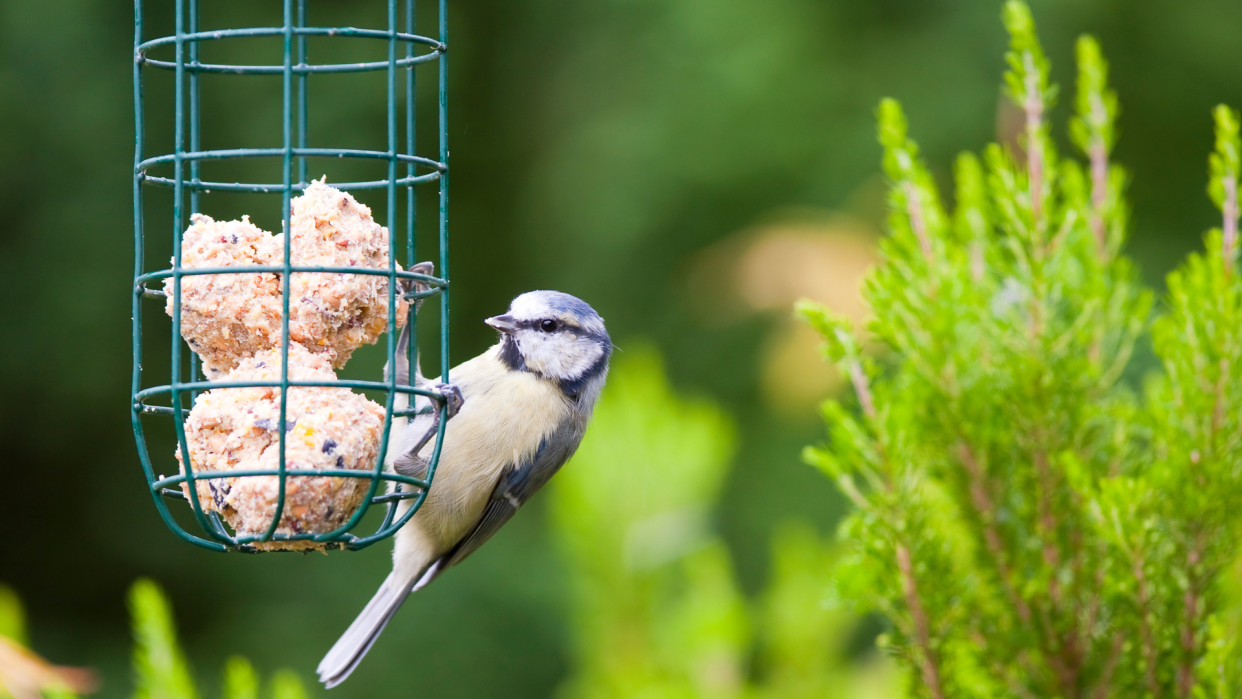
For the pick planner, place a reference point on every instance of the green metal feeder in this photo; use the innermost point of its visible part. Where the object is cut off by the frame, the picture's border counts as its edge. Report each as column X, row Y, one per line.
column 406, row 171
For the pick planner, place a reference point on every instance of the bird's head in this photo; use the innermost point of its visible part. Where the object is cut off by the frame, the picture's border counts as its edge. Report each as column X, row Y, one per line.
column 557, row 337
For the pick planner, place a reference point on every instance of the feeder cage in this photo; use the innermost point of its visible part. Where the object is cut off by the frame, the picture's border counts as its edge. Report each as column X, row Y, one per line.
column 184, row 170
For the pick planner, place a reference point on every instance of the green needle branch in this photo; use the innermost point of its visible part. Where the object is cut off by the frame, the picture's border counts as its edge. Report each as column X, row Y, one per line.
column 1030, row 524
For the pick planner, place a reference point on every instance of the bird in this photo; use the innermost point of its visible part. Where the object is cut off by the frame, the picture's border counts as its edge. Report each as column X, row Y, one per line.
column 517, row 413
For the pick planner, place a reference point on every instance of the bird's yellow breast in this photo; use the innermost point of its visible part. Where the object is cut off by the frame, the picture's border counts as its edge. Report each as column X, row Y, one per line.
column 504, row 418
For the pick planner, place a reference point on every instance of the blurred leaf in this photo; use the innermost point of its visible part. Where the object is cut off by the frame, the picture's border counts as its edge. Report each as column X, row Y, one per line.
column 656, row 612
column 161, row 671
column 287, row 685
column 836, row 331
column 240, row 681
column 649, row 454
column 12, row 618
column 25, row 675
column 1096, row 104
column 803, row 633
column 1027, row 79
column 1223, row 165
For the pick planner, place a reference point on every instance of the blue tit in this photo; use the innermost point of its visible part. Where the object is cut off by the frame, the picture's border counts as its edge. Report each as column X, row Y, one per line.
column 521, row 409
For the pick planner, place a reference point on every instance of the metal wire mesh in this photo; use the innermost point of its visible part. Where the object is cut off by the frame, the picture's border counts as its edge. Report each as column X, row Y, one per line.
column 405, row 50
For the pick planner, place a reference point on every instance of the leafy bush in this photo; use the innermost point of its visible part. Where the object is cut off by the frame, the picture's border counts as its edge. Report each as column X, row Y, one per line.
column 655, row 610
column 161, row 670
column 1030, row 523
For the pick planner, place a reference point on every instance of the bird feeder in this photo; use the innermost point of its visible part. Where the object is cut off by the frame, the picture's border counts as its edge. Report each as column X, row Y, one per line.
column 180, row 179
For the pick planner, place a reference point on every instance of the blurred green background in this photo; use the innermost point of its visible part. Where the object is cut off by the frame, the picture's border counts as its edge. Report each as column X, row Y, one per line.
column 689, row 167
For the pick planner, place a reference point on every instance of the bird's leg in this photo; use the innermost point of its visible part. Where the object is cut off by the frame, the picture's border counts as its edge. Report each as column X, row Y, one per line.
column 410, row 463
column 406, row 287
column 451, row 396
column 400, row 356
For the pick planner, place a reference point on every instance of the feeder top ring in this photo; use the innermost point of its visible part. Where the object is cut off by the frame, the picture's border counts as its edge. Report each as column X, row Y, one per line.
column 437, row 50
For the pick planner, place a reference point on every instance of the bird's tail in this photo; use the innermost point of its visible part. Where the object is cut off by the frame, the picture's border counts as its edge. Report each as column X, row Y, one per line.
column 359, row 637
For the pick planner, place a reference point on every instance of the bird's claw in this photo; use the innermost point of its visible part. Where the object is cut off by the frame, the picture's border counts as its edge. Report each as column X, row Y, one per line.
column 452, row 397
column 410, row 287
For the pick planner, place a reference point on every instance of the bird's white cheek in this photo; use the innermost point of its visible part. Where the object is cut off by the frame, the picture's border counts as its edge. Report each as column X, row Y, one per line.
column 576, row 356
column 560, row 356
column 539, row 355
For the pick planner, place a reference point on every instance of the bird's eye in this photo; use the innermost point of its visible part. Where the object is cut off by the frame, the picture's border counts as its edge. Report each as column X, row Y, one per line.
column 548, row 326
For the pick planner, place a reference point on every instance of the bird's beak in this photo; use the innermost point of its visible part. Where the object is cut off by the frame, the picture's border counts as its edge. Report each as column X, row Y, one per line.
column 505, row 324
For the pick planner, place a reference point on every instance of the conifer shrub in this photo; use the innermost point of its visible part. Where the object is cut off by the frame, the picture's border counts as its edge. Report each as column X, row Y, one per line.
column 1031, row 522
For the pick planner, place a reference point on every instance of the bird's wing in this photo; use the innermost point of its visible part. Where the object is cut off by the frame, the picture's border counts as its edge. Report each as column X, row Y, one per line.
column 516, row 485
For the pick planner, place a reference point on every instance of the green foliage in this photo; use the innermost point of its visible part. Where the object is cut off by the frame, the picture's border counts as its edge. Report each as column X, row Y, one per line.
column 23, row 673
column 656, row 607
column 1197, row 472
column 240, row 680
column 1096, row 105
column 1029, row 525
column 161, row 670
column 656, row 610
column 1223, row 163
column 287, row 685
column 1027, row 79
column 803, row 630
column 12, row 618
column 836, row 329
